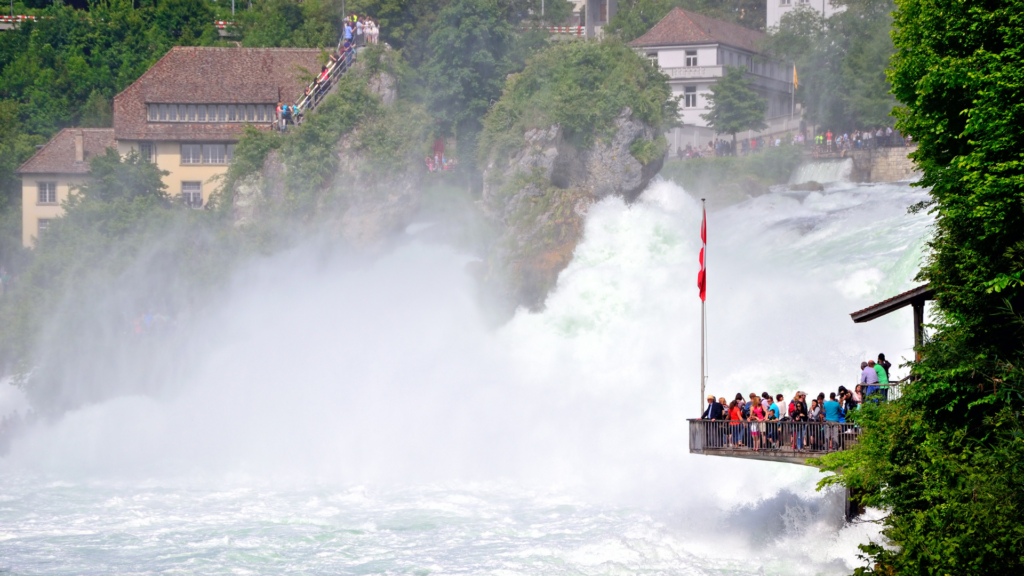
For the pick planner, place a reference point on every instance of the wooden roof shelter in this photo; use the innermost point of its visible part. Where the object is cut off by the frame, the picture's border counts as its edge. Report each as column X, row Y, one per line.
column 915, row 297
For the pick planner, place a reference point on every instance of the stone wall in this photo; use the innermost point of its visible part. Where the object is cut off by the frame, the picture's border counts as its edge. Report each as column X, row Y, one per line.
column 883, row 165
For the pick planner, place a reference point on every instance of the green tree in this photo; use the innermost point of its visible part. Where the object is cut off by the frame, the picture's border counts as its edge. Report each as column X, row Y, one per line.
column 469, row 48
column 841, row 62
column 735, row 106
column 273, row 23
column 944, row 460
column 607, row 75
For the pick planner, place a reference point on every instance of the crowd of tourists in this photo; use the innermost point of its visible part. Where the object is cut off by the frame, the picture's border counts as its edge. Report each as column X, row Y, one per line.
column 766, row 422
column 358, row 31
column 824, row 143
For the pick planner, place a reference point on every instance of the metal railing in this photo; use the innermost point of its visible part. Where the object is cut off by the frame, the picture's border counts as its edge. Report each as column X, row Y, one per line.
column 319, row 88
column 781, row 437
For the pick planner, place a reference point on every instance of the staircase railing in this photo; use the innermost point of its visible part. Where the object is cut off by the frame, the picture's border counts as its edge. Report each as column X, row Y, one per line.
column 319, row 87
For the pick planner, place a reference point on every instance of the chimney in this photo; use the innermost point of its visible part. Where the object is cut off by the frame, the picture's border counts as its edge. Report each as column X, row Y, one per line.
column 79, row 147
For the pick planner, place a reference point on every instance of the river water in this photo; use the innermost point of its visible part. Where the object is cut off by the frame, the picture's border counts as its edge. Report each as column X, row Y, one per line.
column 346, row 417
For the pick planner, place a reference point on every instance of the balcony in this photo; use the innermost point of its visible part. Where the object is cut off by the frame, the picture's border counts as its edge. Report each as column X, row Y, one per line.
column 791, row 442
column 694, row 72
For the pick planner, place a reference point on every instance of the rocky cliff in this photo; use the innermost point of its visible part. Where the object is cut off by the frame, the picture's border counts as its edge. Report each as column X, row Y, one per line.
column 538, row 196
column 370, row 185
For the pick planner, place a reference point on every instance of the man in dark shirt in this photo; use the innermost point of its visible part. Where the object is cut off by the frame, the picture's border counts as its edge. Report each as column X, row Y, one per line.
column 713, row 411
column 713, row 432
column 799, row 416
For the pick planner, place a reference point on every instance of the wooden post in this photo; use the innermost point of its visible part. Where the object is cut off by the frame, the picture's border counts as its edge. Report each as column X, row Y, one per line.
column 918, row 306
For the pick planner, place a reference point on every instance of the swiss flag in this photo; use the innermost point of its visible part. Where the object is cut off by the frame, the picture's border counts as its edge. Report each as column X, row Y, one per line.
column 702, row 275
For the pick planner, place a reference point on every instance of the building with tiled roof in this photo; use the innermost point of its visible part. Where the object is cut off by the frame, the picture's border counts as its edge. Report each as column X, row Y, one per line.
column 49, row 175
column 694, row 50
column 185, row 114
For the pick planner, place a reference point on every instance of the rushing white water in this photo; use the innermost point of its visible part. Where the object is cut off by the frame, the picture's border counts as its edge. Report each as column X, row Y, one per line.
column 362, row 418
column 823, row 171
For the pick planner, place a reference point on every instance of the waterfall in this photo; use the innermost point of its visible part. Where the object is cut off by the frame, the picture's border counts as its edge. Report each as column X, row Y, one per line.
column 346, row 417
column 823, row 171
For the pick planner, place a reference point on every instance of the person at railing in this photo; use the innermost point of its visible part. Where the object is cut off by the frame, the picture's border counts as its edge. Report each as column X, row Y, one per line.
column 756, row 425
column 847, row 401
column 833, row 415
column 869, row 377
column 814, row 414
column 771, row 426
column 714, row 410
column 282, row 115
column 798, row 413
column 882, row 368
column 736, row 421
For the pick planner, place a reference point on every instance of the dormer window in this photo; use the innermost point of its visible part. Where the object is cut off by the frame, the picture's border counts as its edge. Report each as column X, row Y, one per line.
column 211, row 113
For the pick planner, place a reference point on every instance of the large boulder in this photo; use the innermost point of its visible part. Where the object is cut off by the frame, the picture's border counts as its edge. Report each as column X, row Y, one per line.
column 538, row 197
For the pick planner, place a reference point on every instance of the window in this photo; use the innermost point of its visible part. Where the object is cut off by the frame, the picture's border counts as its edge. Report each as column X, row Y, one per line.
column 653, row 58
column 783, row 2
column 217, row 112
column 191, row 154
column 691, row 58
column 213, row 154
column 44, row 223
column 47, row 192
column 231, row 153
column 147, row 151
column 192, row 194
column 690, row 97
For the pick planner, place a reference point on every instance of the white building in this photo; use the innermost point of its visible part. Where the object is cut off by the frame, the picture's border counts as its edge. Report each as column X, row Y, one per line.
column 694, row 51
column 776, row 8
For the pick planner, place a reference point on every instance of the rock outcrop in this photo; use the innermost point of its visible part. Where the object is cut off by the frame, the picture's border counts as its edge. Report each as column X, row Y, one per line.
column 361, row 203
column 538, row 197
column 365, row 205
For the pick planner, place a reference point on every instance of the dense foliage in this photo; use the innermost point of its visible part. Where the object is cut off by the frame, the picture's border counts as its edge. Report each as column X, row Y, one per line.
column 840, row 62
column 607, row 76
column 122, row 249
column 65, row 68
column 469, row 60
column 944, row 460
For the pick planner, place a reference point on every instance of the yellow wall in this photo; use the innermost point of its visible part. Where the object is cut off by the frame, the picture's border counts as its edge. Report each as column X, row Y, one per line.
column 168, row 157
column 32, row 211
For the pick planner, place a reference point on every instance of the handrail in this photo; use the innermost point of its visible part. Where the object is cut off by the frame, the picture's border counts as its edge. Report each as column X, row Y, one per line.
column 784, row 437
column 317, row 89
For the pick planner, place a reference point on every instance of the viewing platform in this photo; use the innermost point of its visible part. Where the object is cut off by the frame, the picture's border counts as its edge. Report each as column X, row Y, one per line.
column 789, row 442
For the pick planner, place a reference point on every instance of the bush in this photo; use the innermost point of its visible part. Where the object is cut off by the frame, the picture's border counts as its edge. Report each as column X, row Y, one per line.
column 583, row 86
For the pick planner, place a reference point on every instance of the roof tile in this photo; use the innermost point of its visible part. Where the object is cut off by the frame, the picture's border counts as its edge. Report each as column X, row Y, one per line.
column 58, row 155
column 202, row 75
column 684, row 27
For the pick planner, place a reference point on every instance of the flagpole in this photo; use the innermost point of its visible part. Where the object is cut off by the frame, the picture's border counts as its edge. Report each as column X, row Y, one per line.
column 702, row 326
